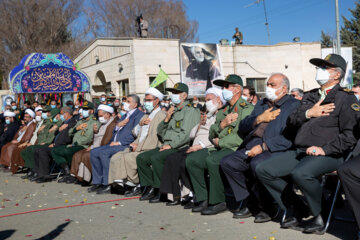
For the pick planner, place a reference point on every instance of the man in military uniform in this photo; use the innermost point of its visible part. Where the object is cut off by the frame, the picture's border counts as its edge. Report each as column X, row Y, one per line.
column 325, row 119
column 82, row 133
column 45, row 136
column 226, row 140
column 174, row 132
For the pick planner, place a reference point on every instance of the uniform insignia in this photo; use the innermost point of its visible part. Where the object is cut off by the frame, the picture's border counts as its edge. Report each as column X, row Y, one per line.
column 347, row 90
column 94, row 118
column 355, row 107
column 178, row 124
column 229, row 130
column 243, row 104
column 176, row 85
column 189, row 105
column 328, row 57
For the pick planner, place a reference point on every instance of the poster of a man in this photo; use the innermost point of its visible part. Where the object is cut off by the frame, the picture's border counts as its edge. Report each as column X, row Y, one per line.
column 200, row 65
column 6, row 100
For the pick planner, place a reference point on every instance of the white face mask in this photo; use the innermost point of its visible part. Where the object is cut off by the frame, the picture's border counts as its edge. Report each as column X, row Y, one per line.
column 322, row 76
column 127, row 107
column 38, row 118
column 166, row 104
column 270, row 93
column 243, row 97
column 211, row 108
column 102, row 120
column 175, row 98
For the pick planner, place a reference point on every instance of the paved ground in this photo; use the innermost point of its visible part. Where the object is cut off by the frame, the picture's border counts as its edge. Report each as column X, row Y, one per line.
column 127, row 219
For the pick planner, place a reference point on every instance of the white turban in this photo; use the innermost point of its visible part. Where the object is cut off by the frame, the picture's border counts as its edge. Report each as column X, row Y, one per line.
column 106, row 108
column 38, row 109
column 9, row 114
column 30, row 112
column 156, row 93
column 217, row 92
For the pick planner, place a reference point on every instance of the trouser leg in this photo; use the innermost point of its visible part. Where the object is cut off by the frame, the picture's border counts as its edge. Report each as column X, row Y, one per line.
column 157, row 163
column 63, row 155
column 96, row 164
column 42, row 162
column 143, row 162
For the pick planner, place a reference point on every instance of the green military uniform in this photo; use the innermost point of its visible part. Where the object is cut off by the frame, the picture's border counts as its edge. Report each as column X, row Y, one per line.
column 44, row 139
column 174, row 133
column 209, row 159
column 81, row 139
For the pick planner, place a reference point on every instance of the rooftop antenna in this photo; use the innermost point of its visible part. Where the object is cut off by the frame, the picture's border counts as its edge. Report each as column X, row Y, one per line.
column 266, row 19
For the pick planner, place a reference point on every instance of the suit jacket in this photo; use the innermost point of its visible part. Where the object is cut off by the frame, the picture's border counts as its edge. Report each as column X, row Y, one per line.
column 109, row 132
column 152, row 140
column 9, row 134
column 124, row 135
column 28, row 133
column 63, row 137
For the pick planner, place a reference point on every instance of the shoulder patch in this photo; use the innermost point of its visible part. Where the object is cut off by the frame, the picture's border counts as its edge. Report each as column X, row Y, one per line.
column 94, row 118
column 347, row 90
column 243, row 104
column 355, row 107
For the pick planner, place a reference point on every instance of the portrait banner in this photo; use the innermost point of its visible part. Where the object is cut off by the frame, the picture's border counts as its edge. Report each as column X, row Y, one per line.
column 200, row 66
column 6, row 100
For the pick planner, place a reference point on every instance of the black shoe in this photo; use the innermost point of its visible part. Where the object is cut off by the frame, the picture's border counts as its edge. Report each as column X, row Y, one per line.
column 156, row 198
column 189, row 205
column 71, row 179
column 63, row 179
column 262, row 217
column 290, row 222
column 85, row 184
column 34, row 177
column 117, row 189
column 44, row 179
column 28, row 175
column 148, row 193
column 173, row 203
column 203, row 205
column 104, row 189
column 316, row 225
column 135, row 191
column 214, row 209
column 242, row 213
column 94, row 188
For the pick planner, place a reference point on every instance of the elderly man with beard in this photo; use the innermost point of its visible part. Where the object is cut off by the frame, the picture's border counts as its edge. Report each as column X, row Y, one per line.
column 266, row 136
column 10, row 129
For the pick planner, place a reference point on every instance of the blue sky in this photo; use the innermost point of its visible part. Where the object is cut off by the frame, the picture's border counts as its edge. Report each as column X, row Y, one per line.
column 287, row 19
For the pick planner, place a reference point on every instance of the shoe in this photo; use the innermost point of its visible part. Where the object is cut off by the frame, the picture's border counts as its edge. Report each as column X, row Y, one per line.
column 214, row 209
column 200, row 207
column 94, row 188
column 189, row 205
column 148, row 193
column 34, row 177
column 290, row 222
column 44, row 179
column 118, row 189
column 71, row 179
column 104, row 189
column 316, row 225
column 63, row 179
column 262, row 217
column 242, row 213
column 135, row 191
column 173, row 203
column 156, row 198
column 27, row 175
column 85, row 184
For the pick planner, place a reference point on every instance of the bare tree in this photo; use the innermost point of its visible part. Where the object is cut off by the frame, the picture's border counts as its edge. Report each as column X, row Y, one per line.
column 37, row 26
column 116, row 18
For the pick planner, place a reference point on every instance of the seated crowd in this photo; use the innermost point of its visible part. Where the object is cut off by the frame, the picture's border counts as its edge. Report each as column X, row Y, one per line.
column 255, row 150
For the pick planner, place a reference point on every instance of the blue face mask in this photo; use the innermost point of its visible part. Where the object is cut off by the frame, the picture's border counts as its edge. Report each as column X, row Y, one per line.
column 44, row 115
column 53, row 106
column 62, row 117
column 55, row 120
column 175, row 98
column 85, row 113
column 227, row 94
column 148, row 106
column 102, row 99
column 7, row 121
column 13, row 107
column 122, row 113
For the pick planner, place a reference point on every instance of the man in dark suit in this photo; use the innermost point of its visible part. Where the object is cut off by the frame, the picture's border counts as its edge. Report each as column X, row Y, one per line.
column 121, row 139
column 11, row 126
column 42, row 155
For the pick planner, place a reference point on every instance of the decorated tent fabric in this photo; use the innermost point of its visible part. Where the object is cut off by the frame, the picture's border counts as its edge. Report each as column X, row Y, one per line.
column 47, row 73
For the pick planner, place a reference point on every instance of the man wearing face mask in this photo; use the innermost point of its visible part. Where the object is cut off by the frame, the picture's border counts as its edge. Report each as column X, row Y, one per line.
column 224, row 136
column 174, row 133
column 174, row 167
column 42, row 155
column 123, row 168
column 325, row 119
column 80, row 164
column 103, row 99
column 11, row 127
column 82, row 135
column 266, row 135
column 22, row 136
column 196, row 102
column 121, row 139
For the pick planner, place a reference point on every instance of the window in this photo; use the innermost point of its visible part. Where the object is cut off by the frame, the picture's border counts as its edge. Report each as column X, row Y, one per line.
column 258, row 84
column 123, row 88
column 160, row 87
